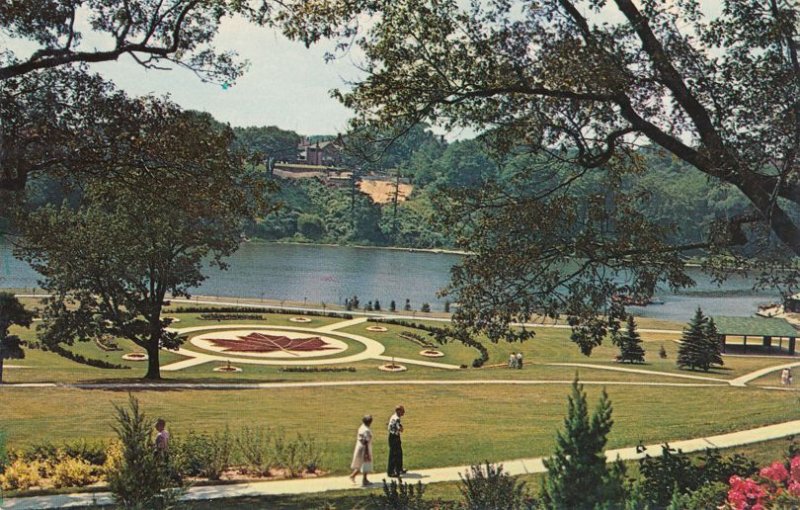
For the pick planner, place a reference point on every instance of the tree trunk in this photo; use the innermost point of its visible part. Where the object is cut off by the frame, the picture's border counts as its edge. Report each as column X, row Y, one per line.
column 153, row 366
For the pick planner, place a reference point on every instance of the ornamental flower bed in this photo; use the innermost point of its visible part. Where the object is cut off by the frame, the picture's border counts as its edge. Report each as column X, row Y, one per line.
column 776, row 486
column 261, row 342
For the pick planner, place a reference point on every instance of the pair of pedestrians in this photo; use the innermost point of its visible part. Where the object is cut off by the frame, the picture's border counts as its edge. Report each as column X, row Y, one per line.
column 362, row 455
column 515, row 360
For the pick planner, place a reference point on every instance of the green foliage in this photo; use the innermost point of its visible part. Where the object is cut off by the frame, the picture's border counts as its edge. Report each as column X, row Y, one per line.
column 577, row 477
column 310, row 225
column 700, row 346
column 486, row 487
column 401, row 496
column 110, row 263
column 254, row 445
column 204, row 455
column 3, row 450
column 425, row 308
column 630, row 343
column 141, row 478
column 674, row 472
column 12, row 312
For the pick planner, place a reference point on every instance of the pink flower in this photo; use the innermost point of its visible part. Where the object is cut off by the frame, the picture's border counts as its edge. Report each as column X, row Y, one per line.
column 795, row 466
column 776, row 472
column 794, row 488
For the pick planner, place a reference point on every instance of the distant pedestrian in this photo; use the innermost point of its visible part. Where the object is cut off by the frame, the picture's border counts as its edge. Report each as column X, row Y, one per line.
column 785, row 376
column 162, row 438
column 519, row 360
column 789, row 376
column 362, row 455
column 512, row 360
column 395, row 468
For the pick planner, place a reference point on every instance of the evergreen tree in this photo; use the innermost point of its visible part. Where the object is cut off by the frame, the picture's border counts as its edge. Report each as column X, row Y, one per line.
column 699, row 346
column 577, row 477
column 392, row 306
column 377, row 306
column 712, row 352
column 12, row 312
column 630, row 343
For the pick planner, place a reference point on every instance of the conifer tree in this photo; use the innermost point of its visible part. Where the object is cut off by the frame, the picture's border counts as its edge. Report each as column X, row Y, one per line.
column 712, row 352
column 630, row 343
column 699, row 346
column 577, row 477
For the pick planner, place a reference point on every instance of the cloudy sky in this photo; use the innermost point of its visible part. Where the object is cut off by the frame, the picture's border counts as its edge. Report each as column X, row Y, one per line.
column 286, row 85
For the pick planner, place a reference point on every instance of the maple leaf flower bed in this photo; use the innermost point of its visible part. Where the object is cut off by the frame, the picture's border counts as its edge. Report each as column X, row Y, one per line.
column 262, row 342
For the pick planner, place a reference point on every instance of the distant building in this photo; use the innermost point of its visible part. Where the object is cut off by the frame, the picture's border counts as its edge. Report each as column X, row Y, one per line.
column 325, row 153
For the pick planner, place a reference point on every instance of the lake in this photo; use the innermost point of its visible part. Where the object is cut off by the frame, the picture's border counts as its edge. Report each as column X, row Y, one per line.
column 329, row 274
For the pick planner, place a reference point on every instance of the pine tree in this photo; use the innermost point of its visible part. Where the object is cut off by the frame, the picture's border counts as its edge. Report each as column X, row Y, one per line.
column 712, row 352
column 699, row 344
column 577, row 477
column 630, row 343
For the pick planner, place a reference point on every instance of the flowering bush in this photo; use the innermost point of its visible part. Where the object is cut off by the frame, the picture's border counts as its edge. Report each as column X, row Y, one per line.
column 21, row 475
column 776, row 486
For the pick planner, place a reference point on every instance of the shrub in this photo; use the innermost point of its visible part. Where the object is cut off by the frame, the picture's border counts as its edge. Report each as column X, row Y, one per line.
column 3, row 451
column 73, row 472
column 93, row 453
column 140, row 478
column 401, row 496
column 299, row 455
column 490, row 488
column 254, row 446
column 21, row 475
column 425, row 308
column 204, row 455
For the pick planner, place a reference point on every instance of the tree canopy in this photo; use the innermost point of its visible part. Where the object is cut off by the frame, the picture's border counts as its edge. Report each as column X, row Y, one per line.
column 110, row 263
column 582, row 84
column 12, row 312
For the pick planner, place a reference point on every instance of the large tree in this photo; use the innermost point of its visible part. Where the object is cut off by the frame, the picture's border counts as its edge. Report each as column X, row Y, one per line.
column 12, row 312
column 583, row 84
column 111, row 263
column 49, row 99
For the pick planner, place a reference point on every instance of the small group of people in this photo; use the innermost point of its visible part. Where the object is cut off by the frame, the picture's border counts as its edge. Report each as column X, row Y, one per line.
column 362, row 455
column 786, row 376
column 515, row 360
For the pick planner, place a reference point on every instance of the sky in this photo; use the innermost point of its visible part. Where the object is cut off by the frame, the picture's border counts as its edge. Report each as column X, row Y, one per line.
column 286, row 85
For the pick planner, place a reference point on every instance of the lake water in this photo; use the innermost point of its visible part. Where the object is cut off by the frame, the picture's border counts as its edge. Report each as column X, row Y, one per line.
column 330, row 274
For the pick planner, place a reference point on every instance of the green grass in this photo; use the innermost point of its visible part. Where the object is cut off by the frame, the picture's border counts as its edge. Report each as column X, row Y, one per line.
column 486, row 422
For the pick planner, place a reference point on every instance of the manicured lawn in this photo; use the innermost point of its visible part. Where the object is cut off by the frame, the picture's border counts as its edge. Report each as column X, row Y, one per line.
column 445, row 425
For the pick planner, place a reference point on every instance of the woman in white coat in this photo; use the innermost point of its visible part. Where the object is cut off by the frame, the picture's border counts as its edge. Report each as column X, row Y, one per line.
column 362, row 455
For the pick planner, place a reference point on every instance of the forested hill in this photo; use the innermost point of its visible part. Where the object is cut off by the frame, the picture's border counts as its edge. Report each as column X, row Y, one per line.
column 312, row 211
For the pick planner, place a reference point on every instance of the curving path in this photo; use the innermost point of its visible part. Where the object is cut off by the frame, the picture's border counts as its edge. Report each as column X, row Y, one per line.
column 446, row 474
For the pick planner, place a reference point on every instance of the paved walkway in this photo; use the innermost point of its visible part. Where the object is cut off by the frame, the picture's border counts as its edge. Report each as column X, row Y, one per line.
column 447, row 474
